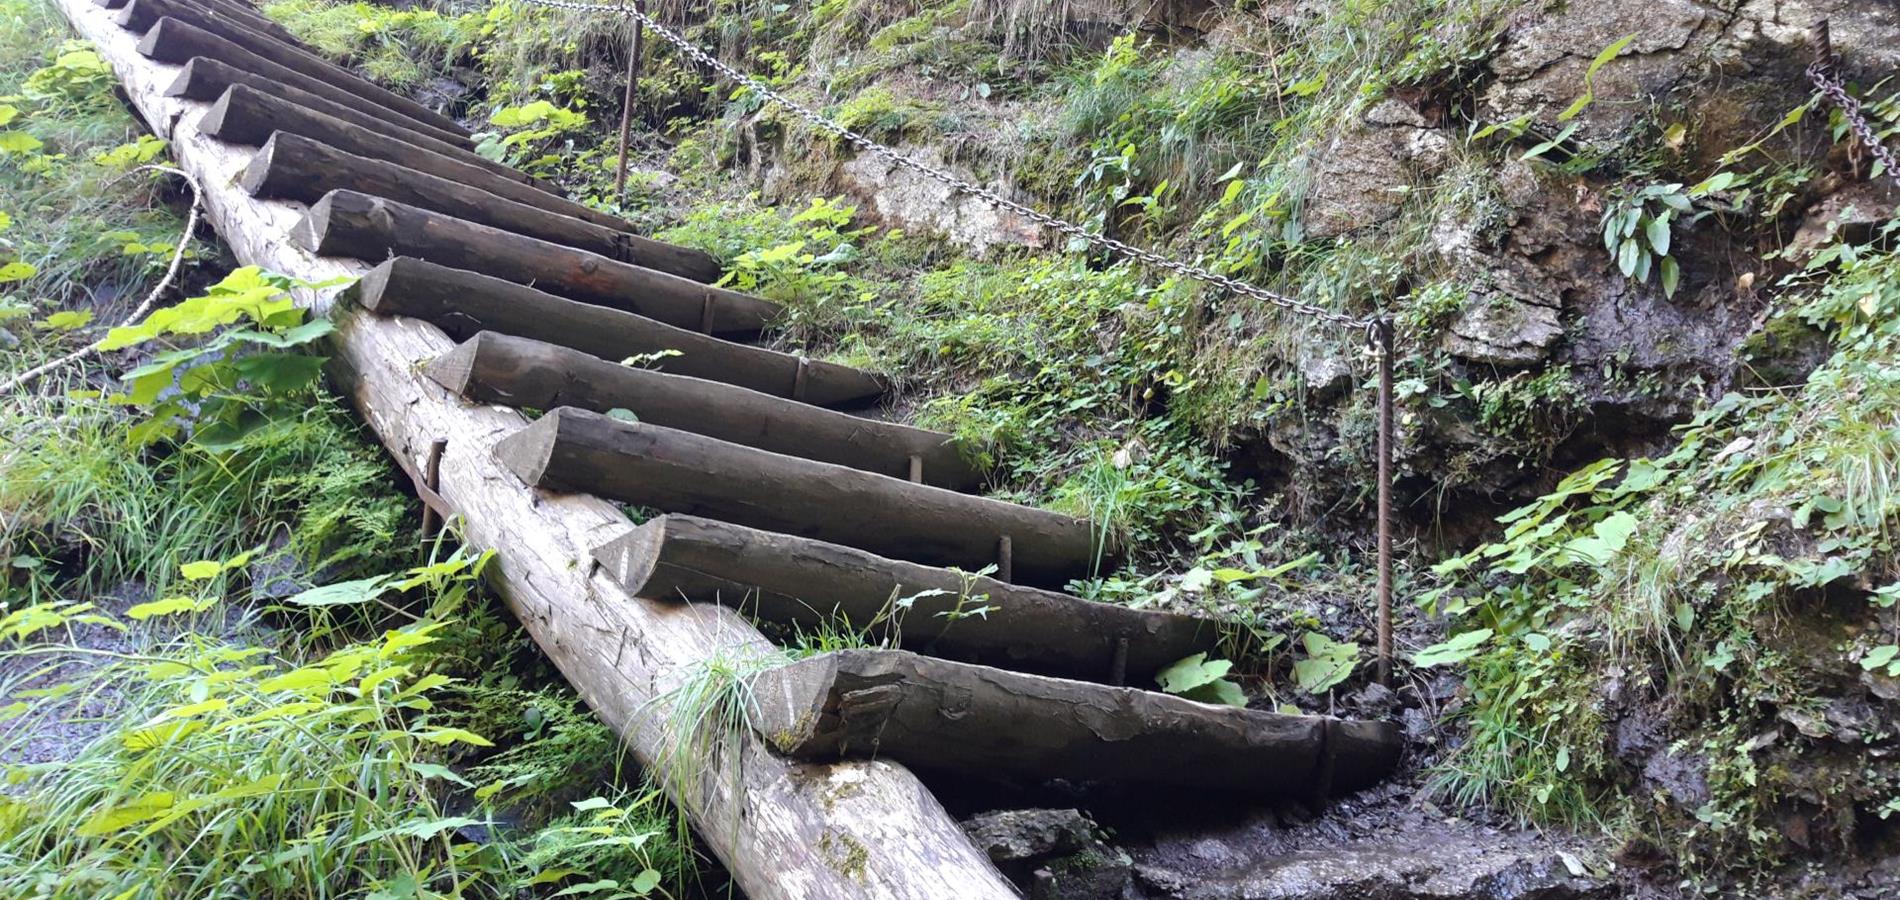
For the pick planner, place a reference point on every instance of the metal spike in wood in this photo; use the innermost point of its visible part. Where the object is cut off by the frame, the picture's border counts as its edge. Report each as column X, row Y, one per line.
column 680, row 472
column 205, row 80
column 809, row 583
column 177, row 42
column 463, row 303
column 939, row 715
column 293, row 167
column 499, row 368
column 349, row 223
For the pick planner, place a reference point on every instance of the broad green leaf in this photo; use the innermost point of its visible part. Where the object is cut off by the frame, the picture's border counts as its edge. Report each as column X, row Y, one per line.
column 19, row 142
column 445, row 736
column 343, row 593
column 1327, row 663
column 1879, row 656
column 1456, row 650
column 17, row 271
column 1192, row 672
column 1608, row 53
column 1658, row 233
column 164, row 607
column 129, row 813
column 1671, row 276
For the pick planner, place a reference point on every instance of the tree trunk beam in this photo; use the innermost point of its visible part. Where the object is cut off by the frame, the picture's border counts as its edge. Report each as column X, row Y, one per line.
column 942, row 715
column 241, row 14
column 205, row 79
column 515, row 371
column 799, row 581
column 176, row 41
column 680, row 472
column 465, row 303
column 348, row 223
column 294, row 167
column 787, row 831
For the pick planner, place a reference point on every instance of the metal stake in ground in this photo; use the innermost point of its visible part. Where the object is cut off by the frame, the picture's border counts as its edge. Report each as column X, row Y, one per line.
column 626, row 104
column 1382, row 343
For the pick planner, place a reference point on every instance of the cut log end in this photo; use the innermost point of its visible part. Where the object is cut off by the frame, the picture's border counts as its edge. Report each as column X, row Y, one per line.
column 310, row 232
column 368, row 291
column 191, row 83
column 153, row 44
column 256, row 179
column 215, row 121
column 632, row 557
column 455, row 369
column 529, row 452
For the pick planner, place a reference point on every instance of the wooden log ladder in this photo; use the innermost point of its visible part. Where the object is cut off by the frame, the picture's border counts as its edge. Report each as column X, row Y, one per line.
column 778, row 503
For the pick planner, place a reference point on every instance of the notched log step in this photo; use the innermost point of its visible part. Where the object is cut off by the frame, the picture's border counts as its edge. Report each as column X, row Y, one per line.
column 680, row 472
column 464, row 303
column 499, row 368
column 141, row 15
column 794, row 580
column 205, row 79
column 349, row 223
column 177, row 42
column 294, row 167
column 950, row 716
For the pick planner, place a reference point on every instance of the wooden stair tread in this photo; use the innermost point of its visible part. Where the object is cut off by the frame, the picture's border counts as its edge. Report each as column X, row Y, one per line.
column 805, row 582
column 932, row 713
column 680, row 472
column 500, row 368
column 205, row 79
column 464, row 303
column 350, row 223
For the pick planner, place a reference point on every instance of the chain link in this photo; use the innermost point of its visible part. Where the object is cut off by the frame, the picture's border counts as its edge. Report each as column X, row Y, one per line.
column 1820, row 72
column 890, row 155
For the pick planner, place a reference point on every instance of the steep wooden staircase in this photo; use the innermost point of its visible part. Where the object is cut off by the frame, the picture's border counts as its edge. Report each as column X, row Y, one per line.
column 779, row 494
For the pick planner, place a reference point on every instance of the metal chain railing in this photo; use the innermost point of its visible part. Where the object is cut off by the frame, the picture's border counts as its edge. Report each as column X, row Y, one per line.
column 1377, row 328
column 1821, row 72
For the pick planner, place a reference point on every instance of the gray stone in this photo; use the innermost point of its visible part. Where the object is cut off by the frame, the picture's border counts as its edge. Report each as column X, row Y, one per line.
column 1015, row 835
column 904, row 199
column 1504, row 331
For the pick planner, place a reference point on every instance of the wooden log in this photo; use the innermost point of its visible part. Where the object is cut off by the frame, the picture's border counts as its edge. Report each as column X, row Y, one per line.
column 786, row 831
column 799, row 581
column 464, row 303
column 500, row 368
column 244, row 12
column 176, row 42
column 206, row 79
column 680, row 472
column 175, row 32
column 293, row 167
column 943, row 715
column 348, row 223
column 243, row 115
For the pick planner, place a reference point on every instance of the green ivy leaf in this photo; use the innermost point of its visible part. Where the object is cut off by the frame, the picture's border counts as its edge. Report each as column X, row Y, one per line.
column 1456, row 650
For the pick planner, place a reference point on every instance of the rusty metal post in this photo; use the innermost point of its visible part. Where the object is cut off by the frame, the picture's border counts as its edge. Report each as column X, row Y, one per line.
column 1823, row 40
column 627, row 102
column 1382, row 344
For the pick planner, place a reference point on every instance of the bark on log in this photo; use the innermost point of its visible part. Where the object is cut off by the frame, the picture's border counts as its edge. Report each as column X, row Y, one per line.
column 242, row 13
column 787, row 831
column 680, row 472
column 246, row 116
column 937, row 714
column 176, row 41
column 347, row 223
column 464, row 303
column 794, row 580
column 500, row 368
column 205, row 79
column 294, row 167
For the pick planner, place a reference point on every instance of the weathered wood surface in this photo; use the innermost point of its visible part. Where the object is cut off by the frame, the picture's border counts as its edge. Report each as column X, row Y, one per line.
column 944, row 715
column 516, row 371
column 243, row 12
column 205, row 79
column 293, row 167
column 242, row 115
column 786, row 830
column 794, row 580
column 348, row 223
column 464, row 303
column 176, row 41
column 681, row 472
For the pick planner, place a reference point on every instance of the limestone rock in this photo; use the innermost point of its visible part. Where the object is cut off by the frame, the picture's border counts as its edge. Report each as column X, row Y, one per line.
column 1502, row 330
column 1360, row 177
column 904, row 199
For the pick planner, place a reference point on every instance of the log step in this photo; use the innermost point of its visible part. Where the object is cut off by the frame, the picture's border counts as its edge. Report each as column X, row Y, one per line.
column 141, row 16
column 294, row 167
column 463, row 303
column 937, row 714
column 349, row 223
column 499, row 368
column 245, row 115
column 177, row 42
column 680, row 472
column 204, row 79
column 799, row 581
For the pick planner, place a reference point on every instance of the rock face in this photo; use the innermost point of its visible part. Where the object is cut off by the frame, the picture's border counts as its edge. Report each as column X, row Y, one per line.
column 1056, row 854
column 1359, row 178
column 904, row 199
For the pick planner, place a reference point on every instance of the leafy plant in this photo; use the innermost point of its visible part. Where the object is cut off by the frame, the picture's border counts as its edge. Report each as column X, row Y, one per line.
column 1327, row 663
column 1199, row 678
